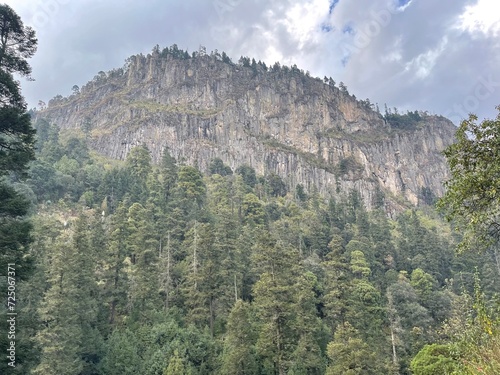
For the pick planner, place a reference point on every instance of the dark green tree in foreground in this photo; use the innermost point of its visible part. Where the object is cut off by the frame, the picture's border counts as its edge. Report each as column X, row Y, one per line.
column 17, row 44
column 473, row 191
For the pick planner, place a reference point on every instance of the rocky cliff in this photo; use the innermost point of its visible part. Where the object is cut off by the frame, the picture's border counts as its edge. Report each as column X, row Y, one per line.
column 277, row 120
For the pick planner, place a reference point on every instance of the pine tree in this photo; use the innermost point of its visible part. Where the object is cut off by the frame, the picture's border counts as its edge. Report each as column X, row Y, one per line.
column 169, row 173
column 142, row 271
column 285, row 305
column 138, row 165
column 70, row 340
column 114, row 276
column 17, row 44
column 239, row 356
column 122, row 354
column 176, row 366
column 349, row 354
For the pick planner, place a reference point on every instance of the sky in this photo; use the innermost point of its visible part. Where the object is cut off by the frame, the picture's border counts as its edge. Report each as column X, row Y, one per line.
column 439, row 56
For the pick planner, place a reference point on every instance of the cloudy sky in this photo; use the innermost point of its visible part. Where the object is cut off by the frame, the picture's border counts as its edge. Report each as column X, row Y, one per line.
column 439, row 56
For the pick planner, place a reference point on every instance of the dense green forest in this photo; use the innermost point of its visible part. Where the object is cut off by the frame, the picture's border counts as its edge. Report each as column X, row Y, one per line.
column 159, row 269
column 119, row 268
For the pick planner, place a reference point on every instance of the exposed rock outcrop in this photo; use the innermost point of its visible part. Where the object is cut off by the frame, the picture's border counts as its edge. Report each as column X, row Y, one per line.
column 276, row 120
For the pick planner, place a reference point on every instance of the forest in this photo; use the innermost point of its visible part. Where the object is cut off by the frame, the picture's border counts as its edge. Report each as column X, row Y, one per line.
column 159, row 269
column 131, row 267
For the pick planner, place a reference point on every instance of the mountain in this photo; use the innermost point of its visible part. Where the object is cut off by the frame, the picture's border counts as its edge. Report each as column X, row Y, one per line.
column 277, row 120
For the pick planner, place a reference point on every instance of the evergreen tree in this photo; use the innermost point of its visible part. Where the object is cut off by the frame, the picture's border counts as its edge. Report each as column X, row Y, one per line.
column 115, row 282
column 143, row 251
column 122, row 354
column 217, row 166
column 349, row 354
column 139, row 167
column 176, row 366
column 70, row 340
column 408, row 318
column 168, row 170
column 17, row 44
column 239, row 356
column 285, row 306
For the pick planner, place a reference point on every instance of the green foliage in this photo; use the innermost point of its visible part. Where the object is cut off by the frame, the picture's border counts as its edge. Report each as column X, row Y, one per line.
column 406, row 121
column 191, row 183
column 348, row 165
column 252, row 209
column 138, row 167
column 69, row 340
column 275, row 185
column 474, row 333
column 169, row 173
column 359, row 265
column 122, row 354
column 18, row 43
column 248, row 174
column 349, row 355
column 472, row 197
column 176, row 366
column 217, row 166
column 434, row 359
column 17, row 141
column 171, row 271
column 301, row 194
column 423, row 283
column 239, row 356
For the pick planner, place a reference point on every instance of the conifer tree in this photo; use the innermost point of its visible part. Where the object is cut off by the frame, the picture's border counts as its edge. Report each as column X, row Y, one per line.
column 143, row 251
column 70, row 340
column 349, row 354
column 176, row 366
column 17, row 44
column 284, row 303
column 239, row 356
column 138, row 164
column 115, row 279
column 122, row 354
column 169, row 170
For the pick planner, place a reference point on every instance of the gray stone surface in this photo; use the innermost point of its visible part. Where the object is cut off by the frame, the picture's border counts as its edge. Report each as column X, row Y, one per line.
column 296, row 126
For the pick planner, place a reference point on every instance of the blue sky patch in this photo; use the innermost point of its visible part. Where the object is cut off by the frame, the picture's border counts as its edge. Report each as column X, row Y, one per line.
column 326, row 27
column 402, row 3
column 332, row 5
column 348, row 30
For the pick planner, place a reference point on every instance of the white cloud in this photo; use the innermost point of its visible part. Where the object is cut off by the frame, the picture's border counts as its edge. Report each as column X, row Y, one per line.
column 303, row 21
column 423, row 64
column 483, row 17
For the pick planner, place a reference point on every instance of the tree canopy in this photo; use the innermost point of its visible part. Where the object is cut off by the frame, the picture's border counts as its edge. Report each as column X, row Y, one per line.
column 472, row 198
column 17, row 139
column 16, row 134
column 17, row 42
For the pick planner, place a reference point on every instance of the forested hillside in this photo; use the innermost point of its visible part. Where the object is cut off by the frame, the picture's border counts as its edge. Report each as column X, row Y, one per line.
column 277, row 119
column 159, row 269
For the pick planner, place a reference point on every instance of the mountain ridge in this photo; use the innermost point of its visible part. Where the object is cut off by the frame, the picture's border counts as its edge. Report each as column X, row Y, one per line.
column 277, row 120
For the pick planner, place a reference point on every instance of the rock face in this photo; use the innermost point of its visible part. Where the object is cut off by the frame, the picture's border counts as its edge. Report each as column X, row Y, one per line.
column 277, row 120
